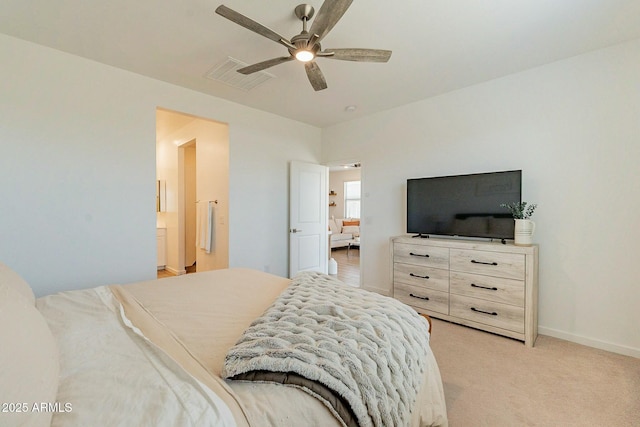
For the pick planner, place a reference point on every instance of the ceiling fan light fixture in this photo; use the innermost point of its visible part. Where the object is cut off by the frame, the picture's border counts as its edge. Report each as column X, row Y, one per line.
column 304, row 55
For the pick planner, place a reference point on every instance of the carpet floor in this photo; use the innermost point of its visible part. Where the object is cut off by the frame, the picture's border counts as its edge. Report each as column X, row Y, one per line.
column 494, row 381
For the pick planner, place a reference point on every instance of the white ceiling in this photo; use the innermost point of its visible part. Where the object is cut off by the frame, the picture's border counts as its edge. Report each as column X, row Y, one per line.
column 438, row 45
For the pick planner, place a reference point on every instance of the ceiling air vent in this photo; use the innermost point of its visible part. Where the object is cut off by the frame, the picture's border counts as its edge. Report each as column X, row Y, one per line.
column 227, row 73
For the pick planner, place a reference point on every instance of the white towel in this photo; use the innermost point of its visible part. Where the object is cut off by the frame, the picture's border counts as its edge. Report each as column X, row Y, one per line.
column 211, row 227
column 206, row 226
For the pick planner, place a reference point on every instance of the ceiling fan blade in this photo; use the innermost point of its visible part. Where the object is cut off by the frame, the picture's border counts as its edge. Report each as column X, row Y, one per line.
column 264, row 64
column 329, row 14
column 252, row 25
column 360, row 55
column 313, row 39
column 316, row 78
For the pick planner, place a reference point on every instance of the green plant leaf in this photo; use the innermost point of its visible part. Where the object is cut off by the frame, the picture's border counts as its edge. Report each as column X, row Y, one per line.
column 520, row 210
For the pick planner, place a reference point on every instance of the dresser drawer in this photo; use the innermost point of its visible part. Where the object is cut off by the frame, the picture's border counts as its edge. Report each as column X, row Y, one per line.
column 484, row 285
column 421, row 298
column 421, row 255
column 496, row 264
column 425, row 277
column 507, row 291
column 490, row 313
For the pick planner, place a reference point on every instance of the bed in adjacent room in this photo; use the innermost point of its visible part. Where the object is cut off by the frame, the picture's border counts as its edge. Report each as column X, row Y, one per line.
column 232, row 347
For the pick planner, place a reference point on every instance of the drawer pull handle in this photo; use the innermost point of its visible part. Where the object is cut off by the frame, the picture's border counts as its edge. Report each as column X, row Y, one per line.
column 484, row 263
column 493, row 313
column 424, row 256
column 484, row 287
column 419, row 277
column 416, row 296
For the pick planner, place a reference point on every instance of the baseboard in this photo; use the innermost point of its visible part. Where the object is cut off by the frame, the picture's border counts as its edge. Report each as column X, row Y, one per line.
column 174, row 271
column 578, row 339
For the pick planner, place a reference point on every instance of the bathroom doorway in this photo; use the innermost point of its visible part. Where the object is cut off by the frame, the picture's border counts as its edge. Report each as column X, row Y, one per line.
column 192, row 158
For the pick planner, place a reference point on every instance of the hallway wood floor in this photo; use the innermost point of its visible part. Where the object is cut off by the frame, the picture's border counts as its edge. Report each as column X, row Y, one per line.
column 348, row 265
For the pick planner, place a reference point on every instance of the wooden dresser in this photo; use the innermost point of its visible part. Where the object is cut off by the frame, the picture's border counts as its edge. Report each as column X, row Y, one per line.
column 485, row 285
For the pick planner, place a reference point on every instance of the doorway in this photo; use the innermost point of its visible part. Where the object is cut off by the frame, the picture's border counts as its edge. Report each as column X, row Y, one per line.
column 344, row 220
column 192, row 157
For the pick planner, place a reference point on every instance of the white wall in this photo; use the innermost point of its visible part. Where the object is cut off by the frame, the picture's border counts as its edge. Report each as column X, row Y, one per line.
column 77, row 168
column 573, row 127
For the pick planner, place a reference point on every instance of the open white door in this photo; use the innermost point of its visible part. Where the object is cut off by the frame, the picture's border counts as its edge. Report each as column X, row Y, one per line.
column 308, row 206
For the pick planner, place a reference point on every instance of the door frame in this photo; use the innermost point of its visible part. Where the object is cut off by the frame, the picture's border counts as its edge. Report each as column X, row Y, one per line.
column 184, row 210
column 173, row 129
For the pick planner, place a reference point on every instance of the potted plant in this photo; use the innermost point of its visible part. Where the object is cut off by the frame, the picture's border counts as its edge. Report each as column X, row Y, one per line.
column 524, row 227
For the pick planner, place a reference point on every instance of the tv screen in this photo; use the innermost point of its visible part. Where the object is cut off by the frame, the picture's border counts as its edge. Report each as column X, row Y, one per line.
column 463, row 205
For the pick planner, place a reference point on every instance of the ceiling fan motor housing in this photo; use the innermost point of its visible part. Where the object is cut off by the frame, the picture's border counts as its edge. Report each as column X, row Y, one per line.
column 300, row 42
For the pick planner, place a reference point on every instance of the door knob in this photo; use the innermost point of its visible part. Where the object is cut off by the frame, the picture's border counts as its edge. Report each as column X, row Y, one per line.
column 295, row 230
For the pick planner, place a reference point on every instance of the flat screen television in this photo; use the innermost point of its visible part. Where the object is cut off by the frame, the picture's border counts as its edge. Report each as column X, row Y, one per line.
column 463, row 205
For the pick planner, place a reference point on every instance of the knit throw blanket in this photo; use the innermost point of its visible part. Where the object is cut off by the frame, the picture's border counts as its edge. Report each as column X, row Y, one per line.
column 366, row 348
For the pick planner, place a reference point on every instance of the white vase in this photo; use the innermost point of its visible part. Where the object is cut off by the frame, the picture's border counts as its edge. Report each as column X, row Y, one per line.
column 523, row 234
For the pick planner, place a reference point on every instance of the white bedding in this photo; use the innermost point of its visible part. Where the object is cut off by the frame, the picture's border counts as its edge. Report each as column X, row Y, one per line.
column 138, row 384
column 165, row 370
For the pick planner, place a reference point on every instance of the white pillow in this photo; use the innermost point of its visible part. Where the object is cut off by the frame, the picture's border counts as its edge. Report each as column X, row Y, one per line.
column 29, row 360
column 13, row 280
column 333, row 227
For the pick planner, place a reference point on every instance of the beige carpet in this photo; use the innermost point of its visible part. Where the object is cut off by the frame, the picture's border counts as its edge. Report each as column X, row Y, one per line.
column 495, row 381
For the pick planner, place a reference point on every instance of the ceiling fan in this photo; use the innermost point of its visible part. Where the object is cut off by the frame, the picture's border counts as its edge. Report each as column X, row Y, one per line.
column 305, row 47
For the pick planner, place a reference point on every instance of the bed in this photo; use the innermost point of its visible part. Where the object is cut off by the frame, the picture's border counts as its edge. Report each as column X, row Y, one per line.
column 233, row 347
